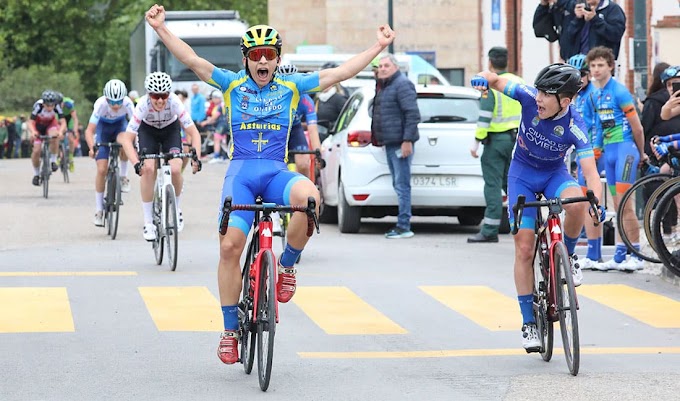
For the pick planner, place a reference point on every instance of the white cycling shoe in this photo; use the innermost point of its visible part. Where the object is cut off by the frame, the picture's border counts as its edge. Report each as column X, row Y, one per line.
column 150, row 233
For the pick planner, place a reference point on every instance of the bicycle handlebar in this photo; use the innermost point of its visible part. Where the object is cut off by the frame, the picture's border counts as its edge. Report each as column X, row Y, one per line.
column 267, row 208
column 168, row 156
column 554, row 206
column 315, row 152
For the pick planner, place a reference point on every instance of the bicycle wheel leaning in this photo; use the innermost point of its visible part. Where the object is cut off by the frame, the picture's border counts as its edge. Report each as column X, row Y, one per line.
column 567, row 307
column 266, row 318
column 157, row 243
column 668, row 246
column 171, row 226
column 543, row 324
column 248, row 332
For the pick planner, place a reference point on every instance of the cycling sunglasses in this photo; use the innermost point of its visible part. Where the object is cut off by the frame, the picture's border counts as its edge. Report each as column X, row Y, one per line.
column 156, row 96
column 257, row 53
column 115, row 102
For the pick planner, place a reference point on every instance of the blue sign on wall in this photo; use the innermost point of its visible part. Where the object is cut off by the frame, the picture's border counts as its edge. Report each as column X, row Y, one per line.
column 496, row 15
column 430, row 57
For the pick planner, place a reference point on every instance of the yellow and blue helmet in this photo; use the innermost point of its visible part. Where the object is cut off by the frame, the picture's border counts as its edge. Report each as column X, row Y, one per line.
column 260, row 35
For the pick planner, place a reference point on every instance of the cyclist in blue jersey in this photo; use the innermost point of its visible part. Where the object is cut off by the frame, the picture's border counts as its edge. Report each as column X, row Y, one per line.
column 548, row 129
column 584, row 96
column 619, row 133
column 259, row 105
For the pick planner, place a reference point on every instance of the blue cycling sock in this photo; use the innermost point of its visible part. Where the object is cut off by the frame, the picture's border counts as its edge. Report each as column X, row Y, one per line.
column 636, row 245
column 594, row 249
column 570, row 243
column 229, row 312
column 599, row 249
column 526, row 305
column 620, row 253
column 290, row 256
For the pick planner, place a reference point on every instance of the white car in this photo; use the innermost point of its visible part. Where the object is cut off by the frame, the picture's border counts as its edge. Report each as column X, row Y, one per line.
column 445, row 179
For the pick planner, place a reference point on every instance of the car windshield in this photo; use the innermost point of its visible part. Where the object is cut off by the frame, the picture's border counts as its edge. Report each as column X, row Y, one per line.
column 448, row 109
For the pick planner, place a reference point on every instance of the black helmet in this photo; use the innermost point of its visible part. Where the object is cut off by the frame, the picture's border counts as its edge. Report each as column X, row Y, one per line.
column 558, row 78
column 49, row 97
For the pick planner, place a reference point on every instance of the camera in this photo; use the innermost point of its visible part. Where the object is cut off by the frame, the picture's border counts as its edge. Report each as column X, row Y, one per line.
column 586, row 6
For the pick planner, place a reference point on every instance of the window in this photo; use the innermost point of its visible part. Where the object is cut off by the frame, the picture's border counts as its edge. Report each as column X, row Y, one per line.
column 448, row 109
column 348, row 112
column 456, row 76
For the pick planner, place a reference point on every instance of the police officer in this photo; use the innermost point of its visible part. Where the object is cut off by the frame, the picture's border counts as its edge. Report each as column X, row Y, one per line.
column 499, row 118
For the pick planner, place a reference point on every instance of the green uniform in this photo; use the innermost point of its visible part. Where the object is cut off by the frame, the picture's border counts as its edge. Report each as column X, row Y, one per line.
column 68, row 106
column 499, row 119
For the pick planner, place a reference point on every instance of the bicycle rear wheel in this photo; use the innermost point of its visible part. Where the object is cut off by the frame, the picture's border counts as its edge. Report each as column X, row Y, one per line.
column 171, row 226
column 64, row 162
column 246, row 309
column 543, row 324
column 667, row 245
column 46, row 171
column 116, row 201
column 157, row 243
column 567, row 307
column 266, row 318
column 638, row 196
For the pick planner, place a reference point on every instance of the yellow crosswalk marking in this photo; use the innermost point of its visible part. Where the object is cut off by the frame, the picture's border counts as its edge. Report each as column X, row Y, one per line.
column 183, row 308
column 653, row 309
column 483, row 305
column 35, row 309
column 337, row 310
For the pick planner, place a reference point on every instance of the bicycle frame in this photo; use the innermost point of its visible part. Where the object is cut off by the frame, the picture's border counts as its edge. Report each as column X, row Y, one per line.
column 163, row 180
column 264, row 233
column 553, row 226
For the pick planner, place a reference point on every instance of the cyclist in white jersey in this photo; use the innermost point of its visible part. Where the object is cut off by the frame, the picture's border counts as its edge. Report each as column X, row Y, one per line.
column 109, row 118
column 156, row 123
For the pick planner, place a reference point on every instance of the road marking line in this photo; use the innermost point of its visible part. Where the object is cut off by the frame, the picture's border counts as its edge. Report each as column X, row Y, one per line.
column 337, row 310
column 480, row 352
column 35, row 310
column 483, row 305
column 58, row 274
column 183, row 308
column 653, row 309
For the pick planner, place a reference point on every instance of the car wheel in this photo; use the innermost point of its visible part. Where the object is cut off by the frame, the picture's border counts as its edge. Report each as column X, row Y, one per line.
column 470, row 219
column 349, row 217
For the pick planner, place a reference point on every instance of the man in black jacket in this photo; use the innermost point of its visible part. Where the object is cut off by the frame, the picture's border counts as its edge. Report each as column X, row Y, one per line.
column 596, row 23
column 395, row 125
column 551, row 19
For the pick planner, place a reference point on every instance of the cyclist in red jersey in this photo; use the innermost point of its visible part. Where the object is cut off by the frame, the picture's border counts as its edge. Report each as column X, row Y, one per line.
column 46, row 119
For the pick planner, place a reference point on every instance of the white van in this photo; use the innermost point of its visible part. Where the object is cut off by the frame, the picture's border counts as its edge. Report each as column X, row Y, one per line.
column 415, row 67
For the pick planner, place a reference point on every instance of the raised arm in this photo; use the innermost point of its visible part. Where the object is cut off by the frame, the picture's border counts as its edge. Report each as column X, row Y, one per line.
column 353, row 66
column 493, row 81
column 155, row 17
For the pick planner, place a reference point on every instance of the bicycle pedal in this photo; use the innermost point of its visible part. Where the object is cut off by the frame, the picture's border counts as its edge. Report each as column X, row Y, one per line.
column 531, row 350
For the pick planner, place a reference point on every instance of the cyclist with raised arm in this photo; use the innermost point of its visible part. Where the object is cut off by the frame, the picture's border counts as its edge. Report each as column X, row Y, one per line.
column 68, row 107
column 548, row 129
column 46, row 119
column 260, row 109
column 109, row 118
column 619, row 132
column 156, row 123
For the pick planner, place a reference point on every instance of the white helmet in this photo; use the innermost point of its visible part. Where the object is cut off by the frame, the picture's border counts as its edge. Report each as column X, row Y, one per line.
column 115, row 90
column 216, row 94
column 158, row 82
column 287, row 69
column 133, row 94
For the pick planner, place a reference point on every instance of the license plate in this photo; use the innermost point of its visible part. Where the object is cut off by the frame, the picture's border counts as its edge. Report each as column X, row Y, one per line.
column 433, row 181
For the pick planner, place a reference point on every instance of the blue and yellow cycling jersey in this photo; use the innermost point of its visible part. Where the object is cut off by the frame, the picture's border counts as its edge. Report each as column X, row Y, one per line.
column 260, row 119
column 544, row 143
column 613, row 105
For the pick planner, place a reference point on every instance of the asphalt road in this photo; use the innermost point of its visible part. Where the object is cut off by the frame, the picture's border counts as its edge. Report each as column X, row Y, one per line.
column 432, row 317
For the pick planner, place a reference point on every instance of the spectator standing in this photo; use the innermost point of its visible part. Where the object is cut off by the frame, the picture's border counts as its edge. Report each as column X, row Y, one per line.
column 395, row 125
column 197, row 105
column 596, row 23
column 3, row 137
column 657, row 96
column 499, row 119
column 11, row 138
column 18, row 122
column 134, row 96
column 551, row 19
column 329, row 102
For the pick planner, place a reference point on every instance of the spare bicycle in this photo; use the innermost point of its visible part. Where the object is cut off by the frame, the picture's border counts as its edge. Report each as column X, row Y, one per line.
column 165, row 212
column 258, row 307
column 554, row 291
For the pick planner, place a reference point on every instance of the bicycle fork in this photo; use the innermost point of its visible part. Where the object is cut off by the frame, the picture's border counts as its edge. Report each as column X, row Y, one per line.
column 265, row 232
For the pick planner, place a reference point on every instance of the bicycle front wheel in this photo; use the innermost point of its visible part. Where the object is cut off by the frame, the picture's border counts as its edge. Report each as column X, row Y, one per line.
column 266, row 318
column 116, row 201
column 46, row 171
column 157, row 243
column 65, row 163
column 667, row 245
column 248, row 331
column 567, row 307
column 171, row 226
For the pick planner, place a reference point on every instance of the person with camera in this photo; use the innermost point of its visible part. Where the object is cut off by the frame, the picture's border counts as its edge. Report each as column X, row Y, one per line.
column 596, row 23
column 619, row 133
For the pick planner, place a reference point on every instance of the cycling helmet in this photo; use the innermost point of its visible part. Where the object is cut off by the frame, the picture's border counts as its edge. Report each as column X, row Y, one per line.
column 558, row 78
column 158, row 82
column 49, row 97
column 115, row 90
column 60, row 97
column 216, row 95
column 578, row 61
column 287, row 69
column 260, row 35
column 670, row 72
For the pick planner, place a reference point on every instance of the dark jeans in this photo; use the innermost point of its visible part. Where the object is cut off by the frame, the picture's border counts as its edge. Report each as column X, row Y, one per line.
column 400, row 168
